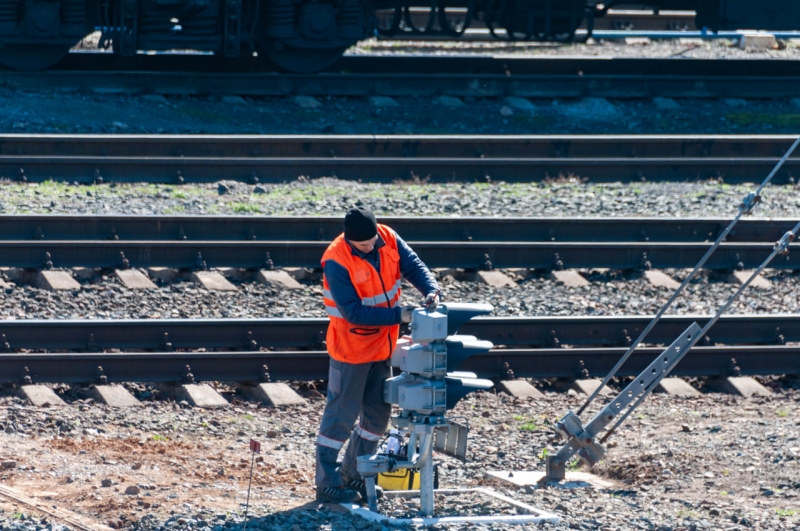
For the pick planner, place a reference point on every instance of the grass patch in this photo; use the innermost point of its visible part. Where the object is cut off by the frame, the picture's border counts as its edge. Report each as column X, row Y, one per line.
column 754, row 118
column 158, row 437
column 245, row 208
column 786, row 512
column 781, row 413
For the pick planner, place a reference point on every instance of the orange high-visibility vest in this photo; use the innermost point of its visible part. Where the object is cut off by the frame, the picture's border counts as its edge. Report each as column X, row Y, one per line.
column 352, row 343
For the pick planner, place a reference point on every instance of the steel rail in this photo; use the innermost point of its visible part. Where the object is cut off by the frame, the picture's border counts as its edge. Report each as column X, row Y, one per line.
column 398, row 146
column 201, row 66
column 176, row 170
column 476, row 76
column 467, row 255
column 424, row 228
column 309, row 333
column 313, row 365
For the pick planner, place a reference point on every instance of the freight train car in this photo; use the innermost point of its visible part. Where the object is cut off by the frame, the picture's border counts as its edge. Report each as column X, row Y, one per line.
column 309, row 35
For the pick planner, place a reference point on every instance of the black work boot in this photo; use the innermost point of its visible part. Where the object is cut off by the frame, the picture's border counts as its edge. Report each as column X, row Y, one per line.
column 337, row 495
column 360, row 486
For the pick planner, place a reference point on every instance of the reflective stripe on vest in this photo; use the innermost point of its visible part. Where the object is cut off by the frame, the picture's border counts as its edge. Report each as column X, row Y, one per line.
column 377, row 300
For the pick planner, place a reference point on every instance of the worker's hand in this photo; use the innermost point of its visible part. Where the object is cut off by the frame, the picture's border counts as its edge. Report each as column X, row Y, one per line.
column 432, row 301
column 406, row 312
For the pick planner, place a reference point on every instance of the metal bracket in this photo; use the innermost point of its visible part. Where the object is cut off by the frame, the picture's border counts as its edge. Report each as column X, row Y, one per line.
column 166, row 344
column 188, row 377
column 251, row 344
column 101, row 378
column 265, row 376
column 91, row 344
column 199, row 263
column 452, row 440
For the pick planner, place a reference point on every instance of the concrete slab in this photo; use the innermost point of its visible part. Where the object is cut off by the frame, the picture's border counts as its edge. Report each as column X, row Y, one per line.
column 587, row 387
column 665, row 103
column 661, row 280
column 307, row 102
column 520, row 389
column 524, row 478
column 133, row 279
column 569, row 277
column 114, row 396
column 382, row 101
column 281, row 278
column 198, row 395
column 520, row 103
column 56, row 281
column 738, row 385
column 164, row 274
column 449, row 101
column 495, row 279
column 676, row 387
column 758, row 41
column 740, row 277
column 275, row 394
column 212, row 281
column 40, row 396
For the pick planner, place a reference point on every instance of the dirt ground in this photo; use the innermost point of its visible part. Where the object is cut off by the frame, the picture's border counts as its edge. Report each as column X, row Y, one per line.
column 113, row 467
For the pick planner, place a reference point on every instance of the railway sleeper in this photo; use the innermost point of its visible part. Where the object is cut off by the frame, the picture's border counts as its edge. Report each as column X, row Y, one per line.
column 227, row 278
column 280, row 394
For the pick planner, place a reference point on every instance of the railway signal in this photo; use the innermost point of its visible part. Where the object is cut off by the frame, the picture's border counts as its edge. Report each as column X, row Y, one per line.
column 425, row 390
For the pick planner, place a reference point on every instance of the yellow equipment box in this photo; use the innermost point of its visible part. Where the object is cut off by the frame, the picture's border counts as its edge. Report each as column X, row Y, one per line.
column 403, row 479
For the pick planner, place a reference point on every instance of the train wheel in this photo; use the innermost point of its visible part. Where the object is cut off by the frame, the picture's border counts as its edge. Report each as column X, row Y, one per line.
column 30, row 57
column 300, row 60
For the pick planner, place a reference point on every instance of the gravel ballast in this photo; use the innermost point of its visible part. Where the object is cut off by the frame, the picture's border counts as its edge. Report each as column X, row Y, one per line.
column 715, row 462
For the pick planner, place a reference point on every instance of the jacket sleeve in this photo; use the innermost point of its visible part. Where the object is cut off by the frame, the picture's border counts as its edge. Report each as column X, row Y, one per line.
column 349, row 303
column 414, row 270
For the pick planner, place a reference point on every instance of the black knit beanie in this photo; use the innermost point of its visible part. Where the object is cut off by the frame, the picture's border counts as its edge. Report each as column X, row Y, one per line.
column 360, row 224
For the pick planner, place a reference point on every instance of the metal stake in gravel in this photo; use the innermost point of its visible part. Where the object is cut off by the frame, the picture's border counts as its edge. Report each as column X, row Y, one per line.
column 581, row 441
column 745, row 209
column 255, row 447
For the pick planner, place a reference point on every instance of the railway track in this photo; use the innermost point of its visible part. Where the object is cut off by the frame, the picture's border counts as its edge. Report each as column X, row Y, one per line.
column 419, row 229
column 178, row 159
column 752, row 345
column 186, row 242
column 421, row 75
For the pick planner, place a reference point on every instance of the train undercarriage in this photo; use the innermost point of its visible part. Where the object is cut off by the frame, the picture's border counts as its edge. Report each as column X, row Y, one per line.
column 310, row 35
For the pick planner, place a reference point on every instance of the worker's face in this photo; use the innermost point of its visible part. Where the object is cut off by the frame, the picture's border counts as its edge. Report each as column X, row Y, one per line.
column 367, row 245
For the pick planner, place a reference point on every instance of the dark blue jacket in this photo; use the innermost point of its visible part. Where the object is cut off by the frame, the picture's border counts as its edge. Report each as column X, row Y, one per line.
column 349, row 303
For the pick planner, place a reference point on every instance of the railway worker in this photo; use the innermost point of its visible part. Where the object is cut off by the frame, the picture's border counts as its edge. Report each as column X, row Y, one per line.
column 362, row 270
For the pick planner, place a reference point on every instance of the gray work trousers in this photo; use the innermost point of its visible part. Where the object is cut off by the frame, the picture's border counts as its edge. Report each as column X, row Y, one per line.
column 353, row 389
